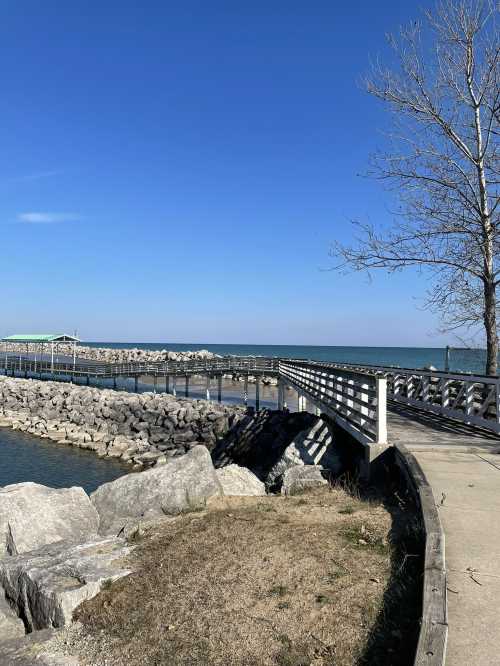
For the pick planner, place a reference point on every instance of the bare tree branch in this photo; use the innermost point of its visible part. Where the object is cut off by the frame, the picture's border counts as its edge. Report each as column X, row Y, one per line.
column 444, row 162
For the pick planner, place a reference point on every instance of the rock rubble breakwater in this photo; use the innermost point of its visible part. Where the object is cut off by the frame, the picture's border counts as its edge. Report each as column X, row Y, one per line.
column 114, row 355
column 141, row 429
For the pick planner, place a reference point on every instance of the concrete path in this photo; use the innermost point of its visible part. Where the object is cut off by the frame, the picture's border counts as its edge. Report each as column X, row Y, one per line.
column 464, row 471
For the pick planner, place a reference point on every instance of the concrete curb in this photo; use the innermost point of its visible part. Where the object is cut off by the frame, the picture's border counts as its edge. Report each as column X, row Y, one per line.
column 431, row 648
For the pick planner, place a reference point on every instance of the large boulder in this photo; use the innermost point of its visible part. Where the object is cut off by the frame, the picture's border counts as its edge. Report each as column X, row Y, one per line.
column 47, row 584
column 236, row 480
column 312, row 446
column 32, row 515
column 182, row 484
column 301, row 478
column 10, row 625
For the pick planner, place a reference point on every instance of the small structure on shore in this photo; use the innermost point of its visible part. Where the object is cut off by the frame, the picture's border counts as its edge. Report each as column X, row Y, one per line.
column 36, row 342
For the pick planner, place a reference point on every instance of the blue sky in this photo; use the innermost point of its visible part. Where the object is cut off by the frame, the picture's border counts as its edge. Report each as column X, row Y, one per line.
column 176, row 171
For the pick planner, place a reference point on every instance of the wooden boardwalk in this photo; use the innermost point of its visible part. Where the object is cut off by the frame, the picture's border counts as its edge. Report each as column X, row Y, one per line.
column 423, row 431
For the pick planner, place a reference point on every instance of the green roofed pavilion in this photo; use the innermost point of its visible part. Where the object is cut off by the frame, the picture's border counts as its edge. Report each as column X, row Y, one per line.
column 40, row 339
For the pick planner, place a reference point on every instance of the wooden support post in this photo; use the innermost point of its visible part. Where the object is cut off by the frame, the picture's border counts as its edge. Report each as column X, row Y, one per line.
column 381, row 411
column 167, row 383
column 155, row 383
column 301, row 402
column 136, row 384
column 88, row 380
column 174, row 386
column 245, row 390
column 219, row 388
column 114, row 382
column 208, row 387
column 257, row 393
column 186, row 387
column 281, row 396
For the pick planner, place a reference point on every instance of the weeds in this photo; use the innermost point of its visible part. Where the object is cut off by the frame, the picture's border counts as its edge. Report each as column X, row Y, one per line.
column 279, row 591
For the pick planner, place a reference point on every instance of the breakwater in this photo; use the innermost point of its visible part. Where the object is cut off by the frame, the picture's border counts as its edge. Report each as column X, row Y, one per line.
column 141, row 429
column 112, row 355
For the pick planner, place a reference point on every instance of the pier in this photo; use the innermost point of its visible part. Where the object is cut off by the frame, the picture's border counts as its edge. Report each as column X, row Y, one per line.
column 446, row 425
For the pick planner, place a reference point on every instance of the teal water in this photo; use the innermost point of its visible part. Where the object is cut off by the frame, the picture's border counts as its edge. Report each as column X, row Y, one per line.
column 461, row 360
column 24, row 457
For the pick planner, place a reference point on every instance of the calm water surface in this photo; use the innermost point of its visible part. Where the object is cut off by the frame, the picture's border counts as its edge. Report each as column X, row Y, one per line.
column 24, row 457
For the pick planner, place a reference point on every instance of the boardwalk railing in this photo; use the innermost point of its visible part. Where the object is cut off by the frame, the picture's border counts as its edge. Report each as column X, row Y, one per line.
column 472, row 399
column 354, row 399
column 225, row 365
column 351, row 393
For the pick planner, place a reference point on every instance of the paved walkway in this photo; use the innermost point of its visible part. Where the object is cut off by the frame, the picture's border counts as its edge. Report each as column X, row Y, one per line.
column 463, row 467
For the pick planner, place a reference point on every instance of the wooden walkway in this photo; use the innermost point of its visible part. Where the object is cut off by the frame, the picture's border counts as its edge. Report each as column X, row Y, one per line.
column 423, row 431
column 462, row 465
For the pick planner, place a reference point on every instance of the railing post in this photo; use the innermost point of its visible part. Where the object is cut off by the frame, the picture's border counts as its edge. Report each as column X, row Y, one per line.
column 469, row 398
column 245, row 390
column 445, row 393
column 497, row 401
column 302, row 403
column 364, row 408
column 381, row 410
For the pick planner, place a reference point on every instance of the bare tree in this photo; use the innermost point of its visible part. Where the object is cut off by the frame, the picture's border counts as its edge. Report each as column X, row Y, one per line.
column 444, row 161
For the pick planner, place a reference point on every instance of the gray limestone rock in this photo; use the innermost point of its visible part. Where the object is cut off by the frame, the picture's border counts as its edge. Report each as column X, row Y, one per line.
column 300, row 478
column 32, row 515
column 313, row 446
column 10, row 625
column 47, row 584
column 182, row 484
column 236, row 480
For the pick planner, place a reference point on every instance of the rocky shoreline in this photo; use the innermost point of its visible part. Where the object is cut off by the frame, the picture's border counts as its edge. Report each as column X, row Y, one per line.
column 140, row 429
column 59, row 547
column 112, row 355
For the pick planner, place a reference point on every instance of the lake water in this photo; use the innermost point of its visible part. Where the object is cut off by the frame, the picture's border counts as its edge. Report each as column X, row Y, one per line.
column 24, row 457
column 461, row 360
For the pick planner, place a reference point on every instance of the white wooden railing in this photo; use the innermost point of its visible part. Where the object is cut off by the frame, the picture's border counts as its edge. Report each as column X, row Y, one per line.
column 356, row 400
column 471, row 399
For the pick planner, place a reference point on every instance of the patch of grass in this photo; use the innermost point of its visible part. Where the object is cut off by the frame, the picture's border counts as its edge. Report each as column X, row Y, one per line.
column 243, row 564
column 279, row 591
column 106, row 584
column 293, row 655
column 347, row 510
column 333, row 576
column 322, row 599
column 359, row 535
column 266, row 508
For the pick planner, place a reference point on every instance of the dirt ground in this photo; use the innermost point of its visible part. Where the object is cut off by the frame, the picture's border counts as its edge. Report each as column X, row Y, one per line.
column 287, row 581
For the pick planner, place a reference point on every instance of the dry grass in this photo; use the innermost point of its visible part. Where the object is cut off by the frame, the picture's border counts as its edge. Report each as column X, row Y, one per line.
column 251, row 581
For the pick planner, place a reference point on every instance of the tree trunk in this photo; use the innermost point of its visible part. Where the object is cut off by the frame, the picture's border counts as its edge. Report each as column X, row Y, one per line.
column 490, row 324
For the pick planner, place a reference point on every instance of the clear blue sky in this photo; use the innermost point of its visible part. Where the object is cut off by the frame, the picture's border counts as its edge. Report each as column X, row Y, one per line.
column 176, row 171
